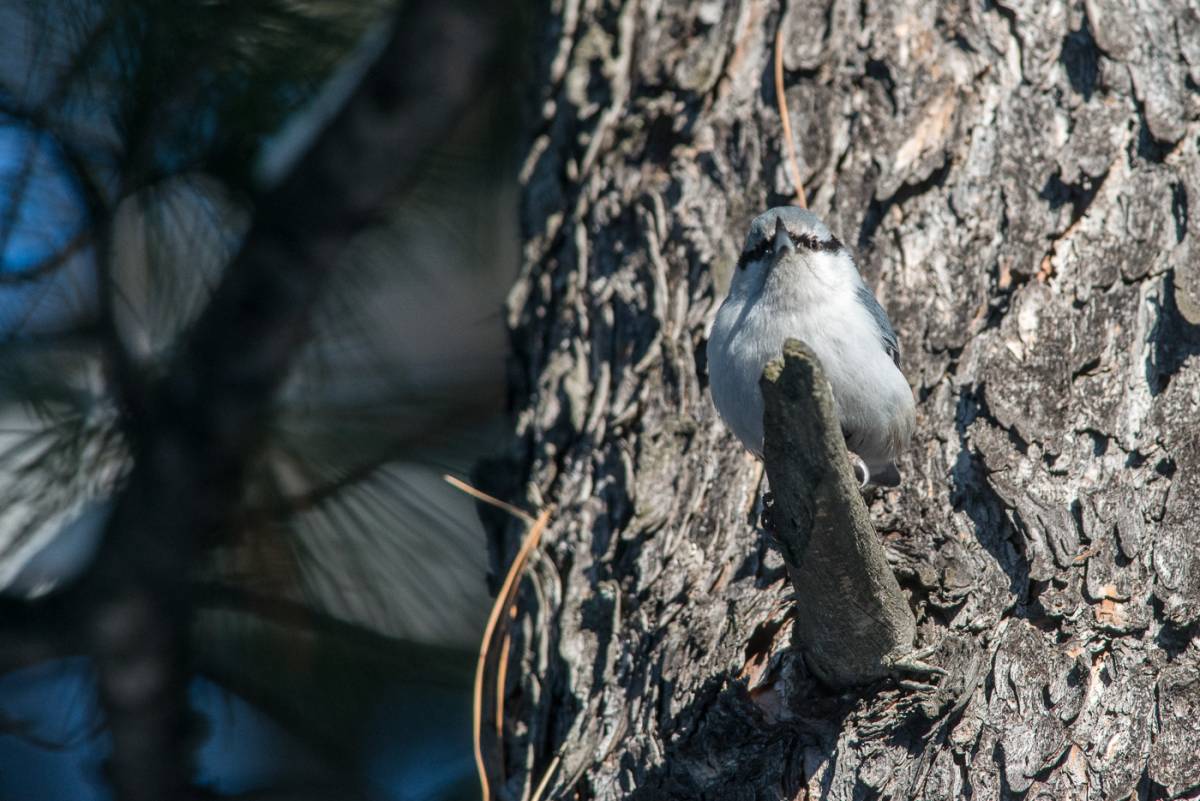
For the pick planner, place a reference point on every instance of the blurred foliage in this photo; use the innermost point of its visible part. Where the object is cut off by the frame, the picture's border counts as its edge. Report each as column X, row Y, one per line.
column 135, row 141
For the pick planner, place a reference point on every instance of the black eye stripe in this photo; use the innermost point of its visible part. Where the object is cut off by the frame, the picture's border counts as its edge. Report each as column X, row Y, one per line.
column 809, row 242
column 803, row 241
column 754, row 254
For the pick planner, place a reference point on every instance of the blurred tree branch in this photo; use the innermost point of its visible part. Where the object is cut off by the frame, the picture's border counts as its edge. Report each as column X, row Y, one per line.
column 39, row 270
column 200, row 425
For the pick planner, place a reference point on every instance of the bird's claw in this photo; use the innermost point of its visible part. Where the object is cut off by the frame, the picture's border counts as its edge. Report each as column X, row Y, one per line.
column 861, row 472
column 913, row 664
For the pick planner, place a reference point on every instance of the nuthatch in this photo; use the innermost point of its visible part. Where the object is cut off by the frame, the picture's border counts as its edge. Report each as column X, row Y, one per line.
column 794, row 279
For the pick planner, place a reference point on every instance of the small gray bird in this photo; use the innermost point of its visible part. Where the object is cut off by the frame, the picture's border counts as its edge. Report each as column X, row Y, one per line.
column 794, row 279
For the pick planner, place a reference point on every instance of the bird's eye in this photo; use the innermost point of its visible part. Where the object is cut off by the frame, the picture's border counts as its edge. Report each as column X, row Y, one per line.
column 755, row 253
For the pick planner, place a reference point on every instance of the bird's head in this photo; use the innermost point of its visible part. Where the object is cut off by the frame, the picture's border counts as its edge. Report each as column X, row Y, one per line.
column 795, row 240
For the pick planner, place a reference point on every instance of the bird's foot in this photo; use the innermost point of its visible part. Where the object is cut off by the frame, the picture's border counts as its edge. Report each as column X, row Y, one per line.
column 906, row 667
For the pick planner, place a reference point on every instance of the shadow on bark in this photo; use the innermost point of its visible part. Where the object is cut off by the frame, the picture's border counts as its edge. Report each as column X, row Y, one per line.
column 973, row 494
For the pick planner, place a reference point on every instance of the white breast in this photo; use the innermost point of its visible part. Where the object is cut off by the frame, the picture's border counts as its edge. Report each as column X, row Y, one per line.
column 815, row 303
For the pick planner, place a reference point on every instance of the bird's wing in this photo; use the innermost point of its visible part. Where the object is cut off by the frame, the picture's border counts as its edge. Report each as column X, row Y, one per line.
column 887, row 334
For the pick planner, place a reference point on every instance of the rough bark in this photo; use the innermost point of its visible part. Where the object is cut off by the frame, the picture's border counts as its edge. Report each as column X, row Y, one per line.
column 1017, row 179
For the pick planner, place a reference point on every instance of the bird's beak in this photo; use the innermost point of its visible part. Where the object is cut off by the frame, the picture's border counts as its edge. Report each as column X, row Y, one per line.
column 783, row 242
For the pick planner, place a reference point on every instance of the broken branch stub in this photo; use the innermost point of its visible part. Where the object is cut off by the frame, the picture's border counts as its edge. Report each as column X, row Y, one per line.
column 850, row 613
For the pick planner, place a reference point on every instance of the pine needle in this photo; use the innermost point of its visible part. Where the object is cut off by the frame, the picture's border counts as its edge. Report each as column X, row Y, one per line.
column 504, row 599
column 502, row 678
column 541, row 788
column 781, row 101
column 480, row 495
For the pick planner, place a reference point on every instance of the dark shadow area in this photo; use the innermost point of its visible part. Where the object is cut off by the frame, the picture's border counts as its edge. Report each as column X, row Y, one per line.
column 1179, row 210
column 1172, row 638
column 721, row 735
column 877, row 211
column 973, row 494
column 1080, row 195
column 1080, row 57
column 1174, row 339
column 725, row 737
column 1150, row 147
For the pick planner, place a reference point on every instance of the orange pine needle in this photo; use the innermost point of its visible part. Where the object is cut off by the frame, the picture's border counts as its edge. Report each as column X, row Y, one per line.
column 781, row 101
column 541, row 788
column 504, row 599
column 501, row 678
column 480, row 495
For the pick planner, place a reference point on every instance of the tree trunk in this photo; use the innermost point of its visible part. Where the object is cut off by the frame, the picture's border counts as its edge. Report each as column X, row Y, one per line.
column 1017, row 181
